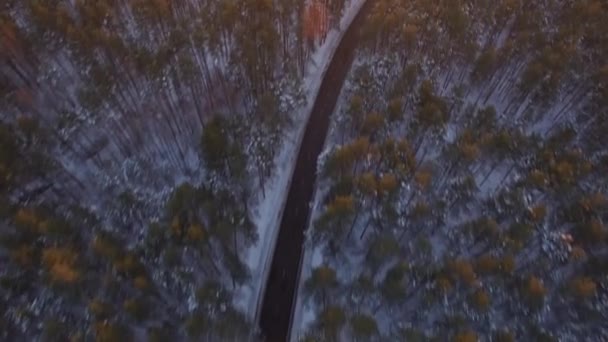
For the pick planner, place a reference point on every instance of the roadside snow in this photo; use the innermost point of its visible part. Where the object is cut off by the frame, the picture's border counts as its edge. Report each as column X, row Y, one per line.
column 267, row 214
column 304, row 312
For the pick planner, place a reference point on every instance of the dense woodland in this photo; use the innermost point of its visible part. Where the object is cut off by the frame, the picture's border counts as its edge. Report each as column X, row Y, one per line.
column 134, row 137
column 464, row 187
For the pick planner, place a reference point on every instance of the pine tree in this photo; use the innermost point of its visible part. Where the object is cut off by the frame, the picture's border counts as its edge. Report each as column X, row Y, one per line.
column 322, row 281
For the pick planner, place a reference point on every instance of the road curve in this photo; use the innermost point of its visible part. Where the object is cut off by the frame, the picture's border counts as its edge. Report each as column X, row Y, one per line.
column 277, row 306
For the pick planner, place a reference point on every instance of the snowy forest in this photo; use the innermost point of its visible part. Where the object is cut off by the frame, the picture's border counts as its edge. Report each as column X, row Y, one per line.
column 460, row 196
column 135, row 138
column 463, row 190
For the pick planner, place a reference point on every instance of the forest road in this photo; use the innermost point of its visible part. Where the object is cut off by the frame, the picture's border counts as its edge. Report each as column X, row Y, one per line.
column 278, row 303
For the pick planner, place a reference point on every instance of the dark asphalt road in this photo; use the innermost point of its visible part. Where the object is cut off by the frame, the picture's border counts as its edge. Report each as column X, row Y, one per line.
column 281, row 285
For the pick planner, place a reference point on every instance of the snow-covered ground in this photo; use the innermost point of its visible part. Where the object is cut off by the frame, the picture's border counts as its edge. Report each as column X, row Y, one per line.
column 304, row 313
column 267, row 214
